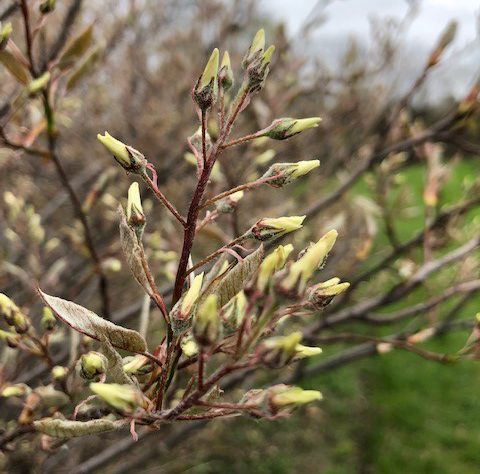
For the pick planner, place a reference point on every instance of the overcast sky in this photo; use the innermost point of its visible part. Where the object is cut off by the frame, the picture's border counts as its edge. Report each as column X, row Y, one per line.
column 347, row 18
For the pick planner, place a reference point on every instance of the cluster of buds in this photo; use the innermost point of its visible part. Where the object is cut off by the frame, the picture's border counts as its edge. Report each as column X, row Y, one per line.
column 322, row 294
column 92, row 366
column 234, row 312
column 280, row 399
column 130, row 159
column 228, row 204
column 284, row 128
column 288, row 172
column 207, row 326
column 125, row 398
column 292, row 281
column 182, row 311
column 5, row 32
column 12, row 315
column 277, row 352
column 257, row 62
column 268, row 229
column 205, row 92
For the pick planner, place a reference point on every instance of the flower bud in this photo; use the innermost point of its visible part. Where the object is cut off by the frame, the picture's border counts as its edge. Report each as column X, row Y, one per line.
column 255, row 50
column 205, row 91
column 234, row 312
column 12, row 314
column 228, row 204
column 48, row 321
column 129, row 158
column 122, row 397
column 302, row 352
column 189, row 346
column 289, row 172
column 206, row 323
column 322, row 294
column 135, row 215
column 181, row 312
column 137, row 365
column 91, row 365
column 38, row 84
column 273, row 262
column 277, row 352
column 47, row 6
column 288, row 127
column 5, row 33
column 59, row 372
column 9, row 338
column 225, row 75
column 293, row 280
column 17, row 390
column 268, row 228
column 257, row 71
column 284, row 396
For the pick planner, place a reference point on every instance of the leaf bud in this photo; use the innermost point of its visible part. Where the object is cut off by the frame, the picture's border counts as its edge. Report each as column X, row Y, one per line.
column 91, row 365
column 273, row 228
column 124, row 398
column 206, row 323
column 255, row 50
column 284, row 128
column 289, row 172
column 48, row 321
column 289, row 397
column 129, row 158
column 273, row 262
column 5, row 32
column 319, row 296
column 205, row 91
column 234, row 312
column 181, row 312
column 135, row 215
column 225, row 75
column 228, row 204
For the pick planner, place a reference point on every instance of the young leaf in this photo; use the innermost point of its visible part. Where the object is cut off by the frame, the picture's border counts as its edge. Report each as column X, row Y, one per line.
column 92, row 325
column 236, row 278
column 115, row 372
column 76, row 48
column 71, row 429
column 16, row 68
column 132, row 251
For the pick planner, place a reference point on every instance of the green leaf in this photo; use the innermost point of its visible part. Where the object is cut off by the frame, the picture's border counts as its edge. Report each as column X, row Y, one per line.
column 92, row 325
column 75, row 49
column 16, row 68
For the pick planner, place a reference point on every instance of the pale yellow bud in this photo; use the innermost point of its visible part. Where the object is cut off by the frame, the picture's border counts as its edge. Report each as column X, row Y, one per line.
column 302, row 352
column 211, row 70
column 192, row 294
column 288, row 127
column 269, row 228
column 17, row 390
column 257, row 46
column 206, row 324
column 116, row 148
column 226, row 73
column 5, row 33
column 59, row 372
column 137, row 365
column 273, row 262
column 122, row 397
column 267, row 57
column 38, row 84
column 285, row 396
column 234, row 312
column 189, row 346
column 289, row 172
column 91, row 365
column 135, row 214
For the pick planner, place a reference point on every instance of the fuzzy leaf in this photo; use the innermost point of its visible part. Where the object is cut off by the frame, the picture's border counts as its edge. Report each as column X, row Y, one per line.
column 92, row 325
column 76, row 48
column 115, row 371
column 236, row 278
column 83, row 69
column 71, row 429
column 132, row 252
column 16, row 68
